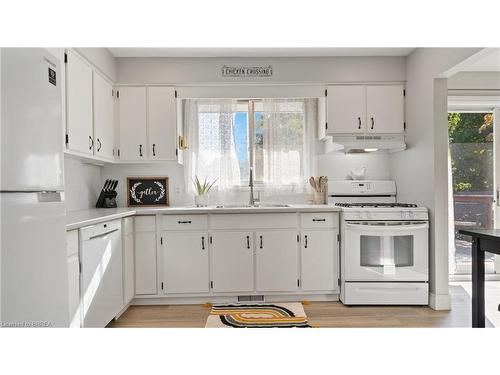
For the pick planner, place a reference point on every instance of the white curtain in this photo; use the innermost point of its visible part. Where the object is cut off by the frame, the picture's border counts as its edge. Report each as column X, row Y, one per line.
column 212, row 151
column 288, row 155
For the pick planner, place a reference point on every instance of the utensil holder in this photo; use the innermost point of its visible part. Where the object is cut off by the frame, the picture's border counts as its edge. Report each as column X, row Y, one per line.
column 319, row 197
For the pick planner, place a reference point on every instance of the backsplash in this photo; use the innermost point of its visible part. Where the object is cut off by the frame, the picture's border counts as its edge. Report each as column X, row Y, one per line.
column 84, row 181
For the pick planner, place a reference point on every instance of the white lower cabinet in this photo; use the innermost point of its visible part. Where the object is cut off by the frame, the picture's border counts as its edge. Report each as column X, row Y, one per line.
column 319, row 260
column 128, row 260
column 145, row 255
column 276, row 261
column 185, row 262
column 232, row 261
column 73, row 265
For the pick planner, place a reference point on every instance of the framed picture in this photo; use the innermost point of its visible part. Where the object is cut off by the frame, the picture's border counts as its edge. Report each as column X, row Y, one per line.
column 147, row 191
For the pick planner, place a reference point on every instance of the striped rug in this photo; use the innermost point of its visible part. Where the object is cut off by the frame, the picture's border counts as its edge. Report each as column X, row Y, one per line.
column 276, row 315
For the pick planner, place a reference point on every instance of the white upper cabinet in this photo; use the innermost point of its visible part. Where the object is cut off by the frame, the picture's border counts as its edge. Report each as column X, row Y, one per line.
column 79, row 104
column 346, row 111
column 162, row 123
column 360, row 109
column 385, row 109
column 133, row 127
column 104, row 138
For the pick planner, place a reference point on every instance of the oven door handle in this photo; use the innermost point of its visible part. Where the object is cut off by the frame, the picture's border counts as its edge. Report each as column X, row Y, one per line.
column 380, row 228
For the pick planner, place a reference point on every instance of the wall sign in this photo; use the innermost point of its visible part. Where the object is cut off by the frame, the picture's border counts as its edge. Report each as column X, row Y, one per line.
column 147, row 191
column 247, row 71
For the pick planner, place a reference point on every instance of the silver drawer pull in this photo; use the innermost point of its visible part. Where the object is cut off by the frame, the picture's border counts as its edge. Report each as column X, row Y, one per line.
column 184, row 222
column 319, row 219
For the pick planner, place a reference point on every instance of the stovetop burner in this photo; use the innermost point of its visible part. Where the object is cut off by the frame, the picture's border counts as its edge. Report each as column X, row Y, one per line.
column 376, row 205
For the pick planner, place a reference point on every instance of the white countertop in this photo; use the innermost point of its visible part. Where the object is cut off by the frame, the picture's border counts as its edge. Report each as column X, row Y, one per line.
column 82, row 218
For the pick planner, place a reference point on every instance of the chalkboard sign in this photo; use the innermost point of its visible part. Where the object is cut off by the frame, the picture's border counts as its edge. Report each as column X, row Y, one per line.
column 147, row 191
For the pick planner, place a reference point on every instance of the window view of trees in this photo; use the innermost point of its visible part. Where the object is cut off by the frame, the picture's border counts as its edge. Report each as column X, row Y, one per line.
column 471, row 147
column 471, row 152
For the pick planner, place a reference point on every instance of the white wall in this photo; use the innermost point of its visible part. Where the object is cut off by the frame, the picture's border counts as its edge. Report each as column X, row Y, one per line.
column 285, row 70
column 421, row 171
column 475, row 81
column 338, row 165
column 82, row 184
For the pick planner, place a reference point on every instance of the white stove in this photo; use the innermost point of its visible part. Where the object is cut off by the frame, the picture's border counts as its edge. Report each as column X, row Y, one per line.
column 384, row 245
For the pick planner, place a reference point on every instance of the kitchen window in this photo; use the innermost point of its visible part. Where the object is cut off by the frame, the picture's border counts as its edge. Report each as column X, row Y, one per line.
column 274, row 136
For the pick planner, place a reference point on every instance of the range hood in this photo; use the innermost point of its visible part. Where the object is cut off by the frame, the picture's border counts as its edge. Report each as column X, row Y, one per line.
column 378, row 143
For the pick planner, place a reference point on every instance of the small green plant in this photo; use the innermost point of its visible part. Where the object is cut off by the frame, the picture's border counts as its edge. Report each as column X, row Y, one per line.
column 203, row 189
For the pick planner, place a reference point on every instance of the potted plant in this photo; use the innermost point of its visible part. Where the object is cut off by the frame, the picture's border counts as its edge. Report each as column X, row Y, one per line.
column 201, row 197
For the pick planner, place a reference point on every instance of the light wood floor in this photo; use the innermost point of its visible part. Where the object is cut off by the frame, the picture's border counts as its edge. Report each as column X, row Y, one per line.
column 322, row 314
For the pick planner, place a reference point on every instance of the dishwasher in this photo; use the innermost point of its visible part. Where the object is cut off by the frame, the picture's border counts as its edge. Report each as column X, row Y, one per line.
column 101, row 286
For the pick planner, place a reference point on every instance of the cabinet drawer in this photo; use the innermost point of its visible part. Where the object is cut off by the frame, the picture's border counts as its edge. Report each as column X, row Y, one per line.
column 319, row 220
column 184, row 222
column 253, row 221
column 145, row 223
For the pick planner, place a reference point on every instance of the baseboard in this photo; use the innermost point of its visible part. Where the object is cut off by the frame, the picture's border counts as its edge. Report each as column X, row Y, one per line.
column 231, row 299
column 440, row 301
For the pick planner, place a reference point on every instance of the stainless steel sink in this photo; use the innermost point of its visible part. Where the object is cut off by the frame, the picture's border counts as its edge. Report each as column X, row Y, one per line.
column 271, row 205
column 233, row 206
column 262, row 205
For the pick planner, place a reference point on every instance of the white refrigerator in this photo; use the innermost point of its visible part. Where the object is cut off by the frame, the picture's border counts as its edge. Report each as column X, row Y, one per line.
column 33, row 274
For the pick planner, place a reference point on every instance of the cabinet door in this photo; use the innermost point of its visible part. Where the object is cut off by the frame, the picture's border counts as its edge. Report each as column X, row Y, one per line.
column 385, row 109
column 232, row 261
column 277, row 264
column 79, row 104
column 145, row 263
column 104, row 137
column 319, row 260
column 73, row 265
column 346, row 109
column 162, row 123
column 128, row 260
column 185, row 262
column 132, row 112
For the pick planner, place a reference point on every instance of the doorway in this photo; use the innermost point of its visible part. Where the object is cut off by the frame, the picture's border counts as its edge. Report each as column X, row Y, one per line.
column 474, row 160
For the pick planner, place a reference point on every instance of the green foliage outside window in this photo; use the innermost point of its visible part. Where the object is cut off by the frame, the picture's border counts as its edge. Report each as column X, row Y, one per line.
column 471, row 149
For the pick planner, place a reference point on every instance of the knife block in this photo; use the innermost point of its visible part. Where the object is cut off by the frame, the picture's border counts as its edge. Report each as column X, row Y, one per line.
column 107, row 198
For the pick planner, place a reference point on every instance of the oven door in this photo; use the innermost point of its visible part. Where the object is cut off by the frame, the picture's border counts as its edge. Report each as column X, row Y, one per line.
column 386, row 250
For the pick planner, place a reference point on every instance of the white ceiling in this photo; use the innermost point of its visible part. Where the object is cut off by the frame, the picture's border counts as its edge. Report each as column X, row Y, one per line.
column 257, row 52
column 489, row 63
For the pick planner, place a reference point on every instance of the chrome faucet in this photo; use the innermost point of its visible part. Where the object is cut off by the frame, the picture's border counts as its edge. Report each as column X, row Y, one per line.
column 253, row 200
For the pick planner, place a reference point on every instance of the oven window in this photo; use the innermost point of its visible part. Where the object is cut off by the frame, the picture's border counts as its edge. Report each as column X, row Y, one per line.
column 379, row 251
